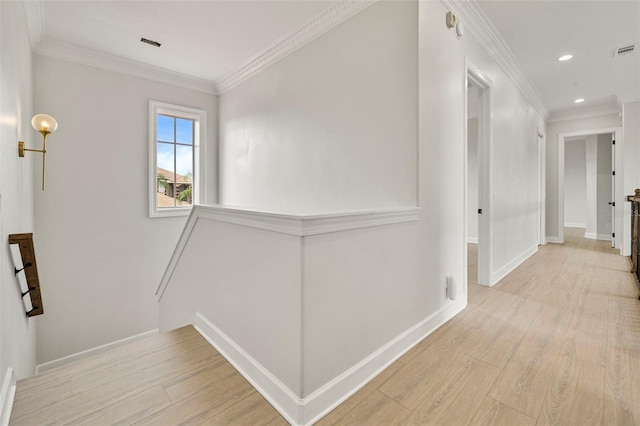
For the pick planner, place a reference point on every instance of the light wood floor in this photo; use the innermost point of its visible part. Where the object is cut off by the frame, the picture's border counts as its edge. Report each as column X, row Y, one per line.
column 556, row 342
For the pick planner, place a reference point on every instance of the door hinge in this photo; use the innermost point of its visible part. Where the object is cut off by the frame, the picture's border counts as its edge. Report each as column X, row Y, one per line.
column 479, row 211
column 613, row 173
column 613, row 235
column 614, row 142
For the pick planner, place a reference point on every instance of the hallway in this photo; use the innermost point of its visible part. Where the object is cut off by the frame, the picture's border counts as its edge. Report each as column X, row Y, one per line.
column 555, row 342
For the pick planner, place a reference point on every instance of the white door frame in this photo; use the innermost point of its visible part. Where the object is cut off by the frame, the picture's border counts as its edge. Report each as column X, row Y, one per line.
column 542, row 191
column 617, row 131
column 613, row 210
column 476, row 77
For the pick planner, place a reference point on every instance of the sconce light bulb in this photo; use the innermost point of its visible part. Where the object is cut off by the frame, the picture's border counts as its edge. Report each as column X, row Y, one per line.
column 44, row 123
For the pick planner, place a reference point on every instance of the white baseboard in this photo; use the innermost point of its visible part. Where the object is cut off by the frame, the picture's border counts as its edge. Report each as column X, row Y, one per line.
column 306, row 411
column 273, row 390
column 593, row 236
column 334, row 393
column 506, row 269
column 574, row 225
column 50, row 365
column 554, row 240
column 472, row 240
column 6, row 396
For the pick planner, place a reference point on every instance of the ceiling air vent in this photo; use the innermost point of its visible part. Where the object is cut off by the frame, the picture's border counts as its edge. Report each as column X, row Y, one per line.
column 626, row 50
column 151, row 42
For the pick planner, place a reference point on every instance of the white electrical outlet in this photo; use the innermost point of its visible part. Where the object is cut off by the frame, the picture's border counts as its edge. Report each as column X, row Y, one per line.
column 452, row 292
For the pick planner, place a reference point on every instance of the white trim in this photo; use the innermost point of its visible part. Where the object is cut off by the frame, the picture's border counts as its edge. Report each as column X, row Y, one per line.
column 496, row 276
column 472, row 240
column 542, row 185
column 479, row 79
column 85, row 56
column 480, row 25
column 306, row 411
column 619, row 200
column 332, row 394
column 305, row 225
column 50, row 365
column 574, row 225
column 273, row 390
column 199, row 156
column 553, row 240
column 320, row 23
column 6, row 396
column 594, row 236
column 628, row 97
column 290, row 42
column 575, row 114
column 34, row 12
column 297, row 225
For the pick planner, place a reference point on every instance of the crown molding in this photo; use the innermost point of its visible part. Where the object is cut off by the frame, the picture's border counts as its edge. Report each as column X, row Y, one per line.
column 94, row 58
column 578, row 113
column 480, row 25
column 322, row 22
column 628, row 97
column 34, row 11
column 288, row 43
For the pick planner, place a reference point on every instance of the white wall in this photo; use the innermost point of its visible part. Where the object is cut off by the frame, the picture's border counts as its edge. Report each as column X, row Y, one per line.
column 361, row 290
column 333, row 126
column 553, row 130
column 575, row 183
column 604, row 194
column 262, row 123
column 102, row 255
column 247, row 133
column 17, row 333
column 514, row 124
column 247, row 283
column 472, row 178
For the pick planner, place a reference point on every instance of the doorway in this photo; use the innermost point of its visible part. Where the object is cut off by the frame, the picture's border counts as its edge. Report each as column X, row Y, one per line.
column 542, row 194
column 477, row 173
column 587, row 184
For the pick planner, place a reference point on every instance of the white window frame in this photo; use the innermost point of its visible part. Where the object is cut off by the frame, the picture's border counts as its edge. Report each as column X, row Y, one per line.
column 199, row 156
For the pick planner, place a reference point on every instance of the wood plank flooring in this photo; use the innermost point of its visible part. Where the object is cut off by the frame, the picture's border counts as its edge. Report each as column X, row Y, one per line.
column 555, row 342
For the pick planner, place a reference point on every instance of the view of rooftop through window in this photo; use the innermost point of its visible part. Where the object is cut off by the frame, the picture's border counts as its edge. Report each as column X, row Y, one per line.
column 174, row 171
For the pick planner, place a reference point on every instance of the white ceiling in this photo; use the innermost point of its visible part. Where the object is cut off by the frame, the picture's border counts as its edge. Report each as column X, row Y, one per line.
column 213, row 39
column 538, row 32
column 204, row 39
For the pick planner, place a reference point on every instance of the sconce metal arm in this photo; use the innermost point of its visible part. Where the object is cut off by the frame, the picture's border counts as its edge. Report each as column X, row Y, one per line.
column 22, row 149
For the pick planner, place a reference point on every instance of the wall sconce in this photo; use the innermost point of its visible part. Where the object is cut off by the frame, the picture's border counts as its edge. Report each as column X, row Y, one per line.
column 44, row 124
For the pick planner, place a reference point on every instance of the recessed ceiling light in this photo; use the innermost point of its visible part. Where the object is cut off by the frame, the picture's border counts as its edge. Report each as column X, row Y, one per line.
column 579, row 100
column 565, row 58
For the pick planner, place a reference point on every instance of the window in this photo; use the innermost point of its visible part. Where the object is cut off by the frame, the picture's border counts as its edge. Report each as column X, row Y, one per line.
column 177, row 138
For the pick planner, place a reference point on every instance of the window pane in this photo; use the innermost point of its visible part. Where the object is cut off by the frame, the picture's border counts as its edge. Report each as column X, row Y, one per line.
column 184, row 131
column 184, row 176
column 164, row 131
column 165, row 196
